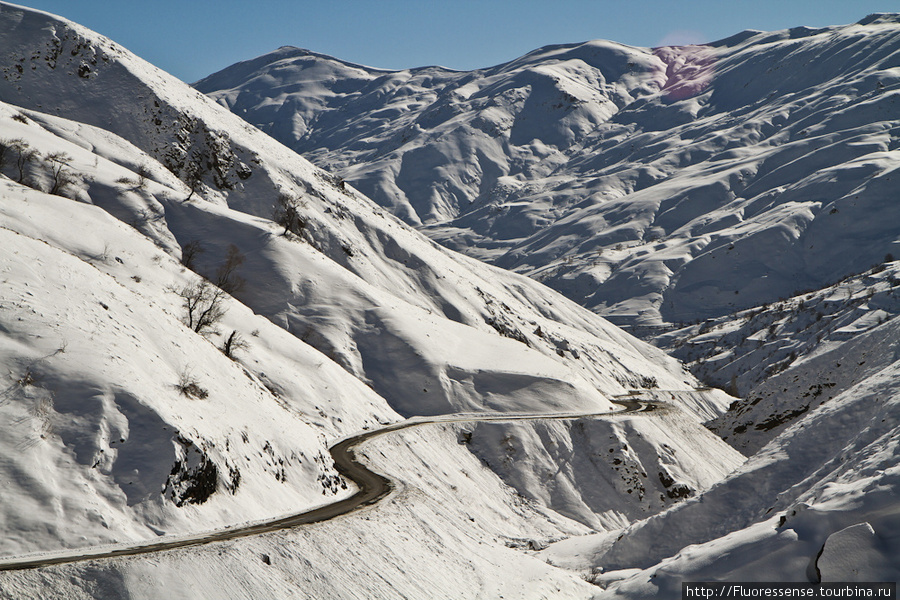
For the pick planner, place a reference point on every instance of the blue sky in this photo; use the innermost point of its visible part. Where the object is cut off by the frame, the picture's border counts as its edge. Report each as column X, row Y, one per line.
column 193, row 38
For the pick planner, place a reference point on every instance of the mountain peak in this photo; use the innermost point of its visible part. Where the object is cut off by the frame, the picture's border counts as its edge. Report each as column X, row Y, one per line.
column 192, row 313
column 882, row 18
column 134, row 199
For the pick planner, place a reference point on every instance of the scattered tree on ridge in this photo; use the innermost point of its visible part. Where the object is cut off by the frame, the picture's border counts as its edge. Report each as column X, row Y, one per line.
column 60, row 176
column 202, row 303
column 287, row 214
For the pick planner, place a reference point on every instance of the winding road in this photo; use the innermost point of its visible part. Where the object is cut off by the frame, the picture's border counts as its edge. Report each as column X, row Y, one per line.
column 372, row 488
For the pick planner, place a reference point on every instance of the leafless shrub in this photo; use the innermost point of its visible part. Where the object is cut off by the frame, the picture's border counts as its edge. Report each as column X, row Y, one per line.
column 5, row 152
column 189, row 253
column 287, row 214
column 233, row 344
column 60, row 175
column 188, row 385
column 143, row 173
column 226, row 277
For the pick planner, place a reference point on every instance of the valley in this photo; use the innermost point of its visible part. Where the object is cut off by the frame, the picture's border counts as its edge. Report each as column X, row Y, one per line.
column 215, row 299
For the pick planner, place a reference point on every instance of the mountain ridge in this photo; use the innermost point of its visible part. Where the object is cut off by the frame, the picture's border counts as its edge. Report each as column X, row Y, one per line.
column 550, row 180
column 336, row 318
column 126, row 418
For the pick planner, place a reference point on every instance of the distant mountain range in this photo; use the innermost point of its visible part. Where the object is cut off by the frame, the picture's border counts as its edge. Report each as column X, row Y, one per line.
column 733, row 202
column 191, row 313
column 653, row 186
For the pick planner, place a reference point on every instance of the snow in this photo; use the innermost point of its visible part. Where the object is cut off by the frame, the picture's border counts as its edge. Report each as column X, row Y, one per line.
column 735, row 174
column 817, row 503
column 123, row 424
column 94, row 359
column 852, row 554
column 741, row 185
column 802, row 352
column 640, row 182
column 419, row 543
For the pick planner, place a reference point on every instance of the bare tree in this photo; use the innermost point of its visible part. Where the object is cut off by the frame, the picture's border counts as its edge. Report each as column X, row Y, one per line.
column 226, row 278
column 5, row 148
column 202, row 303
column 233, row 343
column 190, row 252
column 25, row 154
column 60, row 175
column 193, row 177
column 287, row 214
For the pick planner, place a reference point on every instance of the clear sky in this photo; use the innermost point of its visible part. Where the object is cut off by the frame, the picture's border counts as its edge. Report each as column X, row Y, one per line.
column 194, row 38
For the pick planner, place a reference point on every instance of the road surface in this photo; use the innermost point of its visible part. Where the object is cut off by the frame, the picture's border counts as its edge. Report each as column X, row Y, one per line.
column 372, row 487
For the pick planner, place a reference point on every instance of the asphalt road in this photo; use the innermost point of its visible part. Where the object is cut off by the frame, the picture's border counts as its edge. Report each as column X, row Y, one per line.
column 372, row 487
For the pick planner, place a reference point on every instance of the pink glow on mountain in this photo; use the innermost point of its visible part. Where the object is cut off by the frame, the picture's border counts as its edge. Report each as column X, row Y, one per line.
column 689, row 70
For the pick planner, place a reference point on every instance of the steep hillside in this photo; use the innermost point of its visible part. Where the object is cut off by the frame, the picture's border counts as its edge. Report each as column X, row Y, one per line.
column 785, row 359
column 733, row 202
column 129, row 416
column 120, row 422
column 652, row 186
column 819, row 502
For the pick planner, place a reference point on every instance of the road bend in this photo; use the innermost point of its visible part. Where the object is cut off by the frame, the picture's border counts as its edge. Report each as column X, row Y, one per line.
column 371, row 488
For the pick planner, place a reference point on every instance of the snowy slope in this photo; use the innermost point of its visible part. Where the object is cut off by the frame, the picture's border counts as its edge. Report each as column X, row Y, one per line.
column 339, row 226
column 764, row 352
column 350, row 319
column 817, row 503
column 652, row 186
column 100, row 444
column 95, row 353
column 428, row 541
column 736, row 205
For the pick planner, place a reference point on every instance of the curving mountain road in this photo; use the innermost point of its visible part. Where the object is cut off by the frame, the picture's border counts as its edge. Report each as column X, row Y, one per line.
column 372, row 488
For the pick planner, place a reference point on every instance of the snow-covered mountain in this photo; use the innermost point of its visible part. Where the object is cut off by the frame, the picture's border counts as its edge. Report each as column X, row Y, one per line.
column 733, row 202
column 142, row 400
column 654, row 186
column 819, row 502
column 761, row 355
